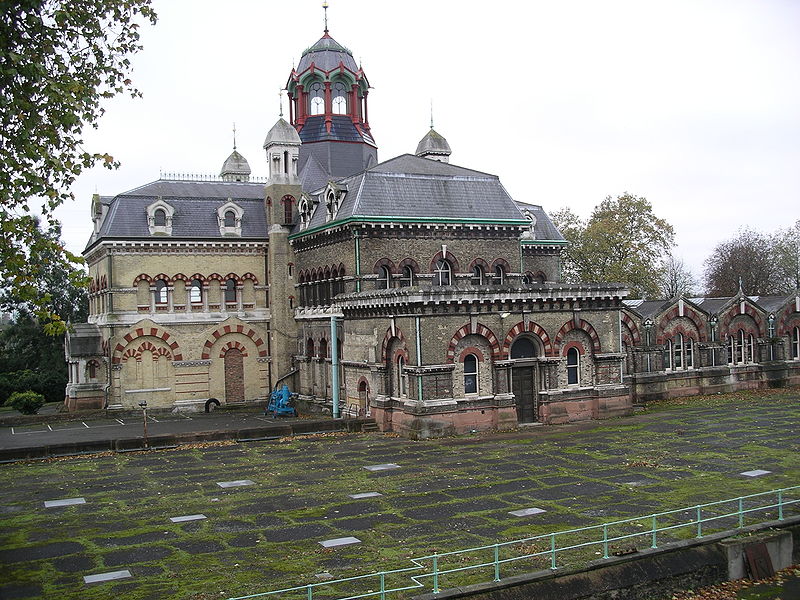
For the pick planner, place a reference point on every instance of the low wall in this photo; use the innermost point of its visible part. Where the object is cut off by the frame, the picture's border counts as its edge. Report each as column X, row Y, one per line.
column 664, row 385
column 647, row 575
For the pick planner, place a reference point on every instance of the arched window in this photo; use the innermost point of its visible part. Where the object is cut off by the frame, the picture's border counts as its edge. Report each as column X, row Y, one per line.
column 316, row 99
column 161, row 292
column 160, row 218
column 196, row 291
column 443, row 272
column 288, row 210
column 407, row 279
column 688, row 349
column 499, row 275
column 91, row 370
column 339, row 93
column 572, row 366
column 523, row 348
column 677, row 352
column 384, row 278
column 478, row 276
column 310, row 348
column 323, row 348
column 751, row 349
column 795, row 343
column 470, row 374
column 527, row 279
column 230, row 291
column 230, row 218
column 401, row 376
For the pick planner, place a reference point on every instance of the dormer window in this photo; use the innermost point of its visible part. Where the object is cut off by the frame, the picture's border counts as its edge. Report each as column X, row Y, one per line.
column 229, row 217
column 305, row 212
column 159, row 217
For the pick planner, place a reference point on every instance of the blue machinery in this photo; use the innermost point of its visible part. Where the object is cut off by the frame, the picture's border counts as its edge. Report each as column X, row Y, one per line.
column 280, row 403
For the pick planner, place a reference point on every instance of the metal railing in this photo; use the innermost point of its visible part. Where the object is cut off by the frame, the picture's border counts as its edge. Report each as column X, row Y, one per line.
column 545, row 551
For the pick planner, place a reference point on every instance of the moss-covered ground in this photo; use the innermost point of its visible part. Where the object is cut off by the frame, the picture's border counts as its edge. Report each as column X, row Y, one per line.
column 448, row 494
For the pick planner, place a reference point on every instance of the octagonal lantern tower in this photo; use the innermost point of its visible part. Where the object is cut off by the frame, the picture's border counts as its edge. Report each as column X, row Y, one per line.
column 328, row 107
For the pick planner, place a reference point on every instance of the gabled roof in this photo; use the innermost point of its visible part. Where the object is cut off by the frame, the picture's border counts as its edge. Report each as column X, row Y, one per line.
column 408, row 187
column 544, row 229
column 195, row 204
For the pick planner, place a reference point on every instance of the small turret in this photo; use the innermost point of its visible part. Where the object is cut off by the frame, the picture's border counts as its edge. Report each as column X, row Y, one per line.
column 283, row 148
column 235, row 168
column 434, row 147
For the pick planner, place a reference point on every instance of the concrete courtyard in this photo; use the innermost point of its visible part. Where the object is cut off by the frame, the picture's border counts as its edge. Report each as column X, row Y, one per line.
column 139, row 511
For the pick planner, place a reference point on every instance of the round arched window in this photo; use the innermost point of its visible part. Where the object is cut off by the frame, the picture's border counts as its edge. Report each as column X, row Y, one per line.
column 572, row 366
column 316, row 99
column 470, row 374
column 523, row 348
column 339, row 92
column 160, row 218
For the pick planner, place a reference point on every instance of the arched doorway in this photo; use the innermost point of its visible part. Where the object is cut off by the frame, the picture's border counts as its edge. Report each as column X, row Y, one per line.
column 234, row 375
column 524, row 352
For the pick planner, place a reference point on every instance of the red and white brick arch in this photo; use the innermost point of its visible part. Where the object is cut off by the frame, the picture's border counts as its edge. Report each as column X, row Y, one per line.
column 582, row 325
column 144, row 332
column 228, row 329
column 468, row 329
column 532, row 328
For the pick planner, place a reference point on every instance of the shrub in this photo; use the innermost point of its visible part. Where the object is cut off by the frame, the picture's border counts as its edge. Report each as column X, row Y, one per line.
column 26, row 402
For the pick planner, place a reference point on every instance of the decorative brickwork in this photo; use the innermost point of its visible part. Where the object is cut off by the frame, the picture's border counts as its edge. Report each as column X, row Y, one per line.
column 149, row 331
column 466, row 330
column 533, row 328
column 689, row 313
column 225, row 329
column 582, row 325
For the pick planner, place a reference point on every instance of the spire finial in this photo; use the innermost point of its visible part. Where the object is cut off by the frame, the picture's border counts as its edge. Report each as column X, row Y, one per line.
column 741, row 289
column 431, row 113
column 280, row 101
column 234, row 136
column 325, row 7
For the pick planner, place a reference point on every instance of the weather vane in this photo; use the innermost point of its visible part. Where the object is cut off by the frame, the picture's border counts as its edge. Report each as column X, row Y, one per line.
column 325, row 6
column 431, row 113
column 280, row 101
column 234, row 135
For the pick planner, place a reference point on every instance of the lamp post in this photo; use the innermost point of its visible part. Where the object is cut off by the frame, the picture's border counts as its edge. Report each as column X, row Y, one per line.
column 143, row 405
column 771, row 333
column 713, row 322
column 648, row 325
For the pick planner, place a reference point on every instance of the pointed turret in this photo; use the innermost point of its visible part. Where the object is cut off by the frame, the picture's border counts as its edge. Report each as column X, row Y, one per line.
column 283, row 148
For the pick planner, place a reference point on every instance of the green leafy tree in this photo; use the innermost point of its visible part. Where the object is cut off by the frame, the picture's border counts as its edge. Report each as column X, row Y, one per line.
column 786, row 250
column 747, row 257
column 623, row 241
column 59, row 60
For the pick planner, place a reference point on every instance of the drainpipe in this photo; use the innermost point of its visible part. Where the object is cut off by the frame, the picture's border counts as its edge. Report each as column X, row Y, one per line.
column 335, row 365
column 357, row 238
column 419, row 359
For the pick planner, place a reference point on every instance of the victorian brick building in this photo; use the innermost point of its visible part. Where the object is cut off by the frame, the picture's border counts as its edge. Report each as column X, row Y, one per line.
column 412, row 289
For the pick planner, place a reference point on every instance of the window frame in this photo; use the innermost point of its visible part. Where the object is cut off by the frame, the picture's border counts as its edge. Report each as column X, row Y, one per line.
column 471, row 377
column 573, row 370
column 443, row 267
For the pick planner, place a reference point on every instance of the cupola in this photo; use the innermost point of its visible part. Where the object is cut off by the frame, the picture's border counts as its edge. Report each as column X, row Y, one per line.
column 434, row 147
column 235, row 168
column 283, row 147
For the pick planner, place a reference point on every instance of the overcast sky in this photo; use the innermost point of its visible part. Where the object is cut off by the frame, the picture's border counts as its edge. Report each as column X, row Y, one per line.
column 692, row 104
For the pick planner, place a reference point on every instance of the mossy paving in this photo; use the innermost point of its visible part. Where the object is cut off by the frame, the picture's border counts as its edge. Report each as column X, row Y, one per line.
column 448, row 494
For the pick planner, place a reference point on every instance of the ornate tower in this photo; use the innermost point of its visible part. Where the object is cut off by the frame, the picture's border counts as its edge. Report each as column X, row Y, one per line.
column 328, row 107
column 282, row 193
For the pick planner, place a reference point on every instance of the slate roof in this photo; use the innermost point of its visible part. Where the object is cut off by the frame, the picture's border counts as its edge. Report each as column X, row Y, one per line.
column 195, row 204
column 650, row 308
column 411, row 187
column 313, row 174
column 544, row 229
column 326, row 54
column 235, row 164
column 342, row 129
column 433, row 143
